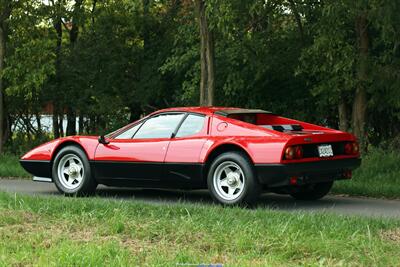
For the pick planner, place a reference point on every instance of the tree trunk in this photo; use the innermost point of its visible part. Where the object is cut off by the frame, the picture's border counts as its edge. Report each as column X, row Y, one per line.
column 74, row 32
column 8, row 128
column 4, row 15
column 56, row 128
column 343, row 121
column 92, row 12
column 39, row 123
column 297, row 17
column 92, row 124
column 61, row 123
column 146, row 10
column 71, row 122
column 80, row 124
column 360, row 99
column 28, row 127
column 210, row 69
column 73, row 37
column 207, row 80
column 58, row 28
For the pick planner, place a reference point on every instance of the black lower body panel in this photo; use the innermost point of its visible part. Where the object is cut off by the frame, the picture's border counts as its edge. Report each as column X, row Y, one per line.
column 148, row 174
column 40, row 168
column 278, row 175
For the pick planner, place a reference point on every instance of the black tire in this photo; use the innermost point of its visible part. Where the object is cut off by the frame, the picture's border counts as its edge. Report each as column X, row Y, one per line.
column 251, row 188
column 312, row 191
column 87, row 185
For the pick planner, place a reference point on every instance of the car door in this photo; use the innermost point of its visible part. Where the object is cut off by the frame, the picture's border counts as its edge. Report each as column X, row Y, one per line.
column 138, row 153
column 182, row 162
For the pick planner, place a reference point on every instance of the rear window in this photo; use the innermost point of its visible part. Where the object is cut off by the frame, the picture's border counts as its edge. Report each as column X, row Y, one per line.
column 249, row 118
column 268, row 121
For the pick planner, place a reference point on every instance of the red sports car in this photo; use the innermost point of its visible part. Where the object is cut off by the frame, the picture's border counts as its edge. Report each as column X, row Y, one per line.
column 235, row 153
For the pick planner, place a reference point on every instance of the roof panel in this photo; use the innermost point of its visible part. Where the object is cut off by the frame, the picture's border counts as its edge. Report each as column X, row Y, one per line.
column 223, row 111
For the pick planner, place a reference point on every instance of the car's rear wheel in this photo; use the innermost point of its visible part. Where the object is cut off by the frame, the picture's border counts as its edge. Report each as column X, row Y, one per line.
column 231, row 179
column 311, row 191
column 71, row 172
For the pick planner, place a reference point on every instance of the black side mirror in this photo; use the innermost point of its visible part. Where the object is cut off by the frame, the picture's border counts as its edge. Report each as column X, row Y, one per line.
column 103, row 140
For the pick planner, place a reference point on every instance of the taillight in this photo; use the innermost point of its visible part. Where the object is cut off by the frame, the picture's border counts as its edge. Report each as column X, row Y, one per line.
column 289, row 153
column 348, row 148
column 298, row 152
column 351, row 148
column 294, row 152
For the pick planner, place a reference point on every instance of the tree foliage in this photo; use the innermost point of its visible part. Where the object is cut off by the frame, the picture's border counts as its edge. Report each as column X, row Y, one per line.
column 109, row 62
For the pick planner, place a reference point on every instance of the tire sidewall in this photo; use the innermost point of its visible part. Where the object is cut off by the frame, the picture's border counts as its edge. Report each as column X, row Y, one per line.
column 87, row 177
column 250, row 189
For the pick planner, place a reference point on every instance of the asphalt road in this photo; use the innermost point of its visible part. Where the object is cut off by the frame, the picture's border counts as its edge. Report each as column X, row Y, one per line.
column 336, row 204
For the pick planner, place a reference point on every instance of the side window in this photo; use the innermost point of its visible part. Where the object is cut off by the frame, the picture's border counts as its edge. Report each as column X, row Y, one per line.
column 161, row 126
column 128, row 134
column 192, row 125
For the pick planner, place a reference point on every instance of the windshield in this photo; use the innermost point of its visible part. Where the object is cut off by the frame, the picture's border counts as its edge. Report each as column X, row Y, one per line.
column 119, row 131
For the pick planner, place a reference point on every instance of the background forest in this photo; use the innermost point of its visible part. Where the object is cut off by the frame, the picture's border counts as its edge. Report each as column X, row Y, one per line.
column 102, row 63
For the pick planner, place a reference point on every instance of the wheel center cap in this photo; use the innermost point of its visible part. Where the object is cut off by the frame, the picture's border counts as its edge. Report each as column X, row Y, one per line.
column 232, row 180
column 73, row 171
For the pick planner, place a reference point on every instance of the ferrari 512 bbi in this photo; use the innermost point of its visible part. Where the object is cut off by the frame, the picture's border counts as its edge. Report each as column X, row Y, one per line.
column 235, row 153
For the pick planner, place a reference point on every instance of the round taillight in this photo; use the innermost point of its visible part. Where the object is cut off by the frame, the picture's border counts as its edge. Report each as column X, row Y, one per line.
column 348, row 148
column 298, row 152
column 289, row 153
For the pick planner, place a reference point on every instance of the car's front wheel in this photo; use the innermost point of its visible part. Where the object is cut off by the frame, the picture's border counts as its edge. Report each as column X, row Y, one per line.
column 71, row 172
column 311, row 191
column 231, row 179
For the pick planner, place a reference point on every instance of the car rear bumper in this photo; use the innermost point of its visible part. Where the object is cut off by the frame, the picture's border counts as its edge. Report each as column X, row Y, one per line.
column 277, row 175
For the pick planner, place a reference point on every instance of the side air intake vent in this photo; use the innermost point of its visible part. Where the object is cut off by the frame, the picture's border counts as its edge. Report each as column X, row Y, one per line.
column 284, row 127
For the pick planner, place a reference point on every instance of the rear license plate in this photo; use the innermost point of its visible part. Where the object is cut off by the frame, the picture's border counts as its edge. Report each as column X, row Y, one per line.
column 325, row 151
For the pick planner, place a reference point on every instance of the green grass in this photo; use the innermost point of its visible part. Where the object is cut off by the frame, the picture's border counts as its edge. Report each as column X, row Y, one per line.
column 378, row 176
column 43, row 231
column 10, row 167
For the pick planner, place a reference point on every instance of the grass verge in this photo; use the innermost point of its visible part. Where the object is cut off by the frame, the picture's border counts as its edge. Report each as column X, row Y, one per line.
column 10, row 167
column 378, row 176
column 43, row 231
